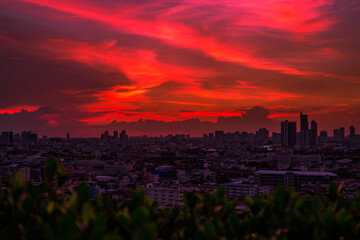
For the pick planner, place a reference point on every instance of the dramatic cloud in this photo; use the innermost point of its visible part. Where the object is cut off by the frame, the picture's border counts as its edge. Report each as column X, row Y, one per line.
column 174, row 61
column 48, row 120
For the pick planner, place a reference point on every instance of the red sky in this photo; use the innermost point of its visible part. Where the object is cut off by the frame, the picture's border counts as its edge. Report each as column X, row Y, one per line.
column 100, row 61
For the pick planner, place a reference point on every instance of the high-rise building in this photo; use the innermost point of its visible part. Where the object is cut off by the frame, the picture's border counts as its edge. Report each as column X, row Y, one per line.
column 17, row 138
column 276, row 138
column 304, row 130
column 219, row 135
column 24, row 136
column 123, row 135
column 288, row 134
column 352, row 131
column 68, row 136
column 105, row 136
column 313, row 133
column 304, row 123
column 116, row 135
column 28, row 137
column 336, row 134
column 323, row 136
column 342, row 133
column 7, row 137
column 262, row 134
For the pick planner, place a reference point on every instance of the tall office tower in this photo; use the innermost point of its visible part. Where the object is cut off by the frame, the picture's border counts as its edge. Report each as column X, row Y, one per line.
column 28, row 137
column 24, row 136
column 116, row 135
column 342, row 133
column 68, row 136
column 123, row 135
column 17, row 138
column 288, row 134
column 304, row 130
column 276, row 138
column 352, row 131
column 7, row 137
column 313, row 133
column 263, row 134
column 336, row 134
column 105, row 136
column 219, row 135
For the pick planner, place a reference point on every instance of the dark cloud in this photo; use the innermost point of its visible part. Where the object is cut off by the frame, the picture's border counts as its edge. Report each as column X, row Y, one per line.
column 34, row 82
column 48, row 120
column 54, row 122
column 255, row 118
column 164, row 90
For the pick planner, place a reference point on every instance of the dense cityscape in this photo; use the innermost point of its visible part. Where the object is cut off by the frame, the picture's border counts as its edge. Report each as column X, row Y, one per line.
column 146, row 120
column 247, row 164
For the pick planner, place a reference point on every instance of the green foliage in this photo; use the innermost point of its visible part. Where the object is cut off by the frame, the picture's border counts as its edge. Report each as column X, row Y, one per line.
column 40, row 212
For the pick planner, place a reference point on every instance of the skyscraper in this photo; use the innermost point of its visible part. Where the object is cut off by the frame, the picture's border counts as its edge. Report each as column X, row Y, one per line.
column 28, row 137
column 219, row 135
column 116, row 135
column 336, row 134
column 6, row 138
column 105, row 136
column 263, row 134
column 352, row 131
column 304, row 130
column 313, row 133
column 123, row 135
column 342, row 133
column 288, row 134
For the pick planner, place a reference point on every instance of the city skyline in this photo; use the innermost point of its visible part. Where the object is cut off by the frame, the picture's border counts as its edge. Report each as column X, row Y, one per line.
column 179, row 119
column 304, row 133
column 77, row 65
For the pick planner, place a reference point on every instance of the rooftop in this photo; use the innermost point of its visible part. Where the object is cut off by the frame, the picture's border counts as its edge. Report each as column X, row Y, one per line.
column 297, row 173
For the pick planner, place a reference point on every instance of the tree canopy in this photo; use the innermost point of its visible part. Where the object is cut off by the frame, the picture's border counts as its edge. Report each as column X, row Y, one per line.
column 29, row 211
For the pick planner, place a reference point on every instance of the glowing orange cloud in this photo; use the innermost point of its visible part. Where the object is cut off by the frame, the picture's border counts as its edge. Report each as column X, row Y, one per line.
column 212, row 114
column 146, row 71
column 189, row 58
column 173, row 33
column 16, row 109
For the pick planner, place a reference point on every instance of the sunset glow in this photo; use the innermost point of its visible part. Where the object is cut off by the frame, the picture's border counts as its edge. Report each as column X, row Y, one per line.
column 104, row 61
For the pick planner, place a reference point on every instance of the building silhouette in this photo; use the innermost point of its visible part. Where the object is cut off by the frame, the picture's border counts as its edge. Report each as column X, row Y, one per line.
column 313, row 133
column 304, row 130
column 116, row 135
column 6, row 137
column 123, row 135
column 28, row 137
column 336, row 134
column 288, row 134
column 323, row 137
column 262, row 134
column 342, row 133
column 352, row 131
